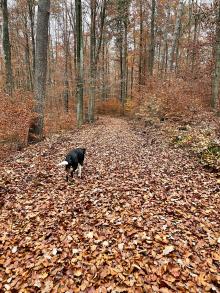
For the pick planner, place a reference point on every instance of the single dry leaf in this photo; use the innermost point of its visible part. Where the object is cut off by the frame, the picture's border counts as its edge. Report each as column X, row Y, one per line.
column 78, row 272
column 121, row 246
column 14, row 249
column 168, row 249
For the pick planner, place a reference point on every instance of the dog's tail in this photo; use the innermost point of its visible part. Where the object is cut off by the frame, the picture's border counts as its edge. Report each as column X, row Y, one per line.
column 64, row 163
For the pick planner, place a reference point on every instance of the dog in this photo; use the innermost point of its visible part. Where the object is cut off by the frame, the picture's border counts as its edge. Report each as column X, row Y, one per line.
column 74, row 160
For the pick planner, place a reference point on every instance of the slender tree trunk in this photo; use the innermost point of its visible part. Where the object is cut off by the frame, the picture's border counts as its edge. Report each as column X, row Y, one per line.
column 176, row 33
column 189, row 31
column 66, row 55
column 152, row 38
column 79, row 62
column 216, row 73
column 31, row 11
column 9, row 84
column 195, row 36
column 125, row 59
column 92, row 62
column 40, row 68
column 29, row 83
column 140, row 65
column 94, row 54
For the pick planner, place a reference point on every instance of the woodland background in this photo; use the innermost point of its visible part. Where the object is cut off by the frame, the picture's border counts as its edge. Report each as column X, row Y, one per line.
column 151, row 59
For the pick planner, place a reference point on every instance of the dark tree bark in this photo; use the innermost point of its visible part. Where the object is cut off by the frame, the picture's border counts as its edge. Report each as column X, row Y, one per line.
column 152, row 38
column 9, row 84
column 141, row 47
column 122, row 28
column 79, row 62
column 36, row 131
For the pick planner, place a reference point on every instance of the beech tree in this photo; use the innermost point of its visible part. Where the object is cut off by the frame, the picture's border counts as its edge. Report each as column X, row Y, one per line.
column 79, row 62
column 7, row 48
column 152, row 38
column 36, row 131
column 216, row 73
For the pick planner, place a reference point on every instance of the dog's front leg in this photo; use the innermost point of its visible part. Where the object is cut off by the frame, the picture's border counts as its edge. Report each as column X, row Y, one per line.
column 79, row 170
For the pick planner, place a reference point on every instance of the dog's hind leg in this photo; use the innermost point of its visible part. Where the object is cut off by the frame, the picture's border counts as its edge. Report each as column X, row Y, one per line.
column 67, row 173
column 79, row 170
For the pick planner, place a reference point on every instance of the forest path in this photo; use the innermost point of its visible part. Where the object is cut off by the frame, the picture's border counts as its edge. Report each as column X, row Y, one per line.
column 143, row 218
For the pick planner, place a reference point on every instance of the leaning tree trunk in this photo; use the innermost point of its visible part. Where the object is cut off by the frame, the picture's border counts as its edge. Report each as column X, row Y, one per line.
column 36, row 131
column 79, row 62
column 7, row 48
column 216, row 73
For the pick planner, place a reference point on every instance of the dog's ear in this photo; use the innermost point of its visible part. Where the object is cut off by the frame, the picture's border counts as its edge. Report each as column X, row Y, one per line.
column 84, row 150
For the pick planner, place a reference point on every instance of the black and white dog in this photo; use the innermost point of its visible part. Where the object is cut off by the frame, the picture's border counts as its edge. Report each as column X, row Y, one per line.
column 74, row 160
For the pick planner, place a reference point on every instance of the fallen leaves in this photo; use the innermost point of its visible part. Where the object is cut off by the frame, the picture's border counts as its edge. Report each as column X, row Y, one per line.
column 144, row 217
column 168, row 249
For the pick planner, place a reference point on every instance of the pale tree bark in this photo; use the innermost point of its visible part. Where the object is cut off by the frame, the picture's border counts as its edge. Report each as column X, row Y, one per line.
column 152, row 38
column 216, row 73
column 196, row 13
column 79, row 62
column 36, row 131
column 29, row 82
column 189, row 30
column 66, row 55
column 9, row 84
column 92, row 61
column 31, row 12
column 176, row 36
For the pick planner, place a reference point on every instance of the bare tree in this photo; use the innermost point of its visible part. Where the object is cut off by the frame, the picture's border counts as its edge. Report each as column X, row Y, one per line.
column 79, row 62
column 31, row 13
column 216, row 73
column 152, row 38
column 95, row 48
column 7, row 48
column 36, row 131
column 176, row 36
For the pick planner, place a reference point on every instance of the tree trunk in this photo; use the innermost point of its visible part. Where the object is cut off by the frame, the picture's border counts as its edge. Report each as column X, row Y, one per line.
column 216, row 73
column 66, row 55
column 176, row 33
column 189, row 31
column 152, row 39
column 7, row 49
column 140, row 65
column 36, row 131
column 195, row 36
column 79, row 62
column 31, row 11
column 125, row 59
column 92, row 61
column 94, row 54
column 29, row 82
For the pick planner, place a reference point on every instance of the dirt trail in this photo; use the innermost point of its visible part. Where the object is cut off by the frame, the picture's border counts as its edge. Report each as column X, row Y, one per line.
column 143, row 218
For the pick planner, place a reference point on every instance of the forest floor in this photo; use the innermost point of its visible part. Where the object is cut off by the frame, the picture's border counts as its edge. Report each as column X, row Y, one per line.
column 144, row 217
